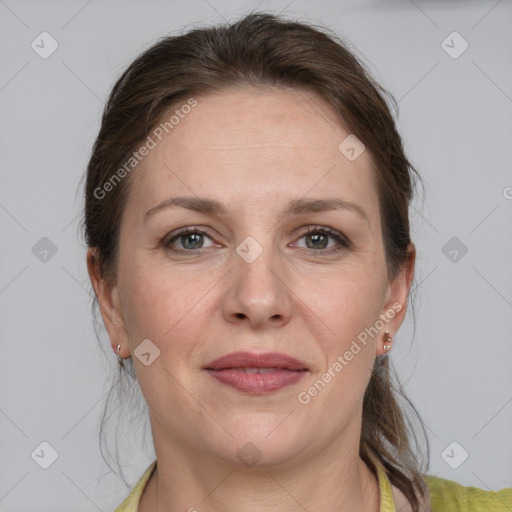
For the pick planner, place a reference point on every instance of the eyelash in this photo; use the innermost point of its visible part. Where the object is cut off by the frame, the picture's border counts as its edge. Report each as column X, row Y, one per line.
column 343, row 243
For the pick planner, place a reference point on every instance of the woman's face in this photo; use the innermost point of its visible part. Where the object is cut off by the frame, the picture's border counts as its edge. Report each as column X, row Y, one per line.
column 251, row 280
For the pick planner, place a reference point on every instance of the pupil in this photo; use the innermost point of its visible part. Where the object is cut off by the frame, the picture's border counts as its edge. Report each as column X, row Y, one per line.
column 193, row 245
column 316, row 238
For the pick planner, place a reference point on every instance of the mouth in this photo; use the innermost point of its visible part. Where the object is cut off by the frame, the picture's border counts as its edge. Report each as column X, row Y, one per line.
column 256, row 374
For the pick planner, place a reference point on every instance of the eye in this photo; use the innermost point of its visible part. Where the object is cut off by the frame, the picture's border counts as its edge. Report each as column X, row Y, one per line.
column 190, row 240
column 317, row 239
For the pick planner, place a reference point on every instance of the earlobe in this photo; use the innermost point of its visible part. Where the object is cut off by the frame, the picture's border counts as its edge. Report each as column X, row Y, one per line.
column 395, row 307
column 109, row 303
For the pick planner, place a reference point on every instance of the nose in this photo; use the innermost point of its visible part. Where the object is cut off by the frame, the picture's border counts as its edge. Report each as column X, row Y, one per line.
column 258, row 294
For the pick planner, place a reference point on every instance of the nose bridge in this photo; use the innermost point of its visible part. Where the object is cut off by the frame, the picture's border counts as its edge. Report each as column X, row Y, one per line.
column 258, row 292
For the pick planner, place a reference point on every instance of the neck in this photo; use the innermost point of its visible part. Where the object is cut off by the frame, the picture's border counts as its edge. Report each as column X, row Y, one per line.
column 187, row 481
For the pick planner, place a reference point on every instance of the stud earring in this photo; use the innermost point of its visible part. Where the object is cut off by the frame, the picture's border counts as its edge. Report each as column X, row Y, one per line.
column 387, row 341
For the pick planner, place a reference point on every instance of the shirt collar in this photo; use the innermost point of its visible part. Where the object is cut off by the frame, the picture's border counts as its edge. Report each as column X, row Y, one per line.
column 391, row 497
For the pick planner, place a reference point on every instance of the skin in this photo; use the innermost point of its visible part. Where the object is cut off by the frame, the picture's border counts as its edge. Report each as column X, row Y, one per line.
column 253, row 150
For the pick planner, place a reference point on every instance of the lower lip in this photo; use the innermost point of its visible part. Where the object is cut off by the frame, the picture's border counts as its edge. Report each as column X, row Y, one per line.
column 257, row 383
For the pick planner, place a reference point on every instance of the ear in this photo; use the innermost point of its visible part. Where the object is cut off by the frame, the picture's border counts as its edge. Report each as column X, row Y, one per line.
column 110, row 305
column 397, row 293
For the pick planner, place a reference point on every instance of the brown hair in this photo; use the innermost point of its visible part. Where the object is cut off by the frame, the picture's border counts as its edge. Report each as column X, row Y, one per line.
column 265, row 50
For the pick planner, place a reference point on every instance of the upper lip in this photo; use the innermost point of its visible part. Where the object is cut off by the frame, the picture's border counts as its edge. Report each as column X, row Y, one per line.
column 253, row 360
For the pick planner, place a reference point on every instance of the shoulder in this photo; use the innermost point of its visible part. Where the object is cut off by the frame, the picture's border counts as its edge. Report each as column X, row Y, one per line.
column 450, row 496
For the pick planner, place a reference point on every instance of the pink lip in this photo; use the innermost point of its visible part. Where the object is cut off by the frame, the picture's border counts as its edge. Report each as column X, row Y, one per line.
column 230, row 370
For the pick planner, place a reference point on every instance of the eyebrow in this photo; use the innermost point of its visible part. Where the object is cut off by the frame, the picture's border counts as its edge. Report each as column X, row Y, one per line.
column 295, row 207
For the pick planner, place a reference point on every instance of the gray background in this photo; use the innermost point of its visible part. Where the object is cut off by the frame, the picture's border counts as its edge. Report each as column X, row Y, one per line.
column 455, row 116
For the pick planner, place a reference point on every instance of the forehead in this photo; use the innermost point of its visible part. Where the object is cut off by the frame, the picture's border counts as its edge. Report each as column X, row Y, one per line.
column 259, row 146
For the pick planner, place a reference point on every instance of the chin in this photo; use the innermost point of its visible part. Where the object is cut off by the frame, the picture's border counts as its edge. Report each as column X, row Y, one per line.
column 264, row 442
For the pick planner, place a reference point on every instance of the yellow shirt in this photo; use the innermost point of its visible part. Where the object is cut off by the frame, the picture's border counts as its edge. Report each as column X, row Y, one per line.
column 445, row 495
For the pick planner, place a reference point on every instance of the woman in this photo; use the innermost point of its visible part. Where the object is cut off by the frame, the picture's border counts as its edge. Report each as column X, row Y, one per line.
column 247, row 222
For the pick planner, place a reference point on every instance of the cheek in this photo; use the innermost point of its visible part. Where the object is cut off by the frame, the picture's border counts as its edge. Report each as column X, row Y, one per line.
column 347, row 347
column 164, row 304
column 345, row 302
column 345, row 307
